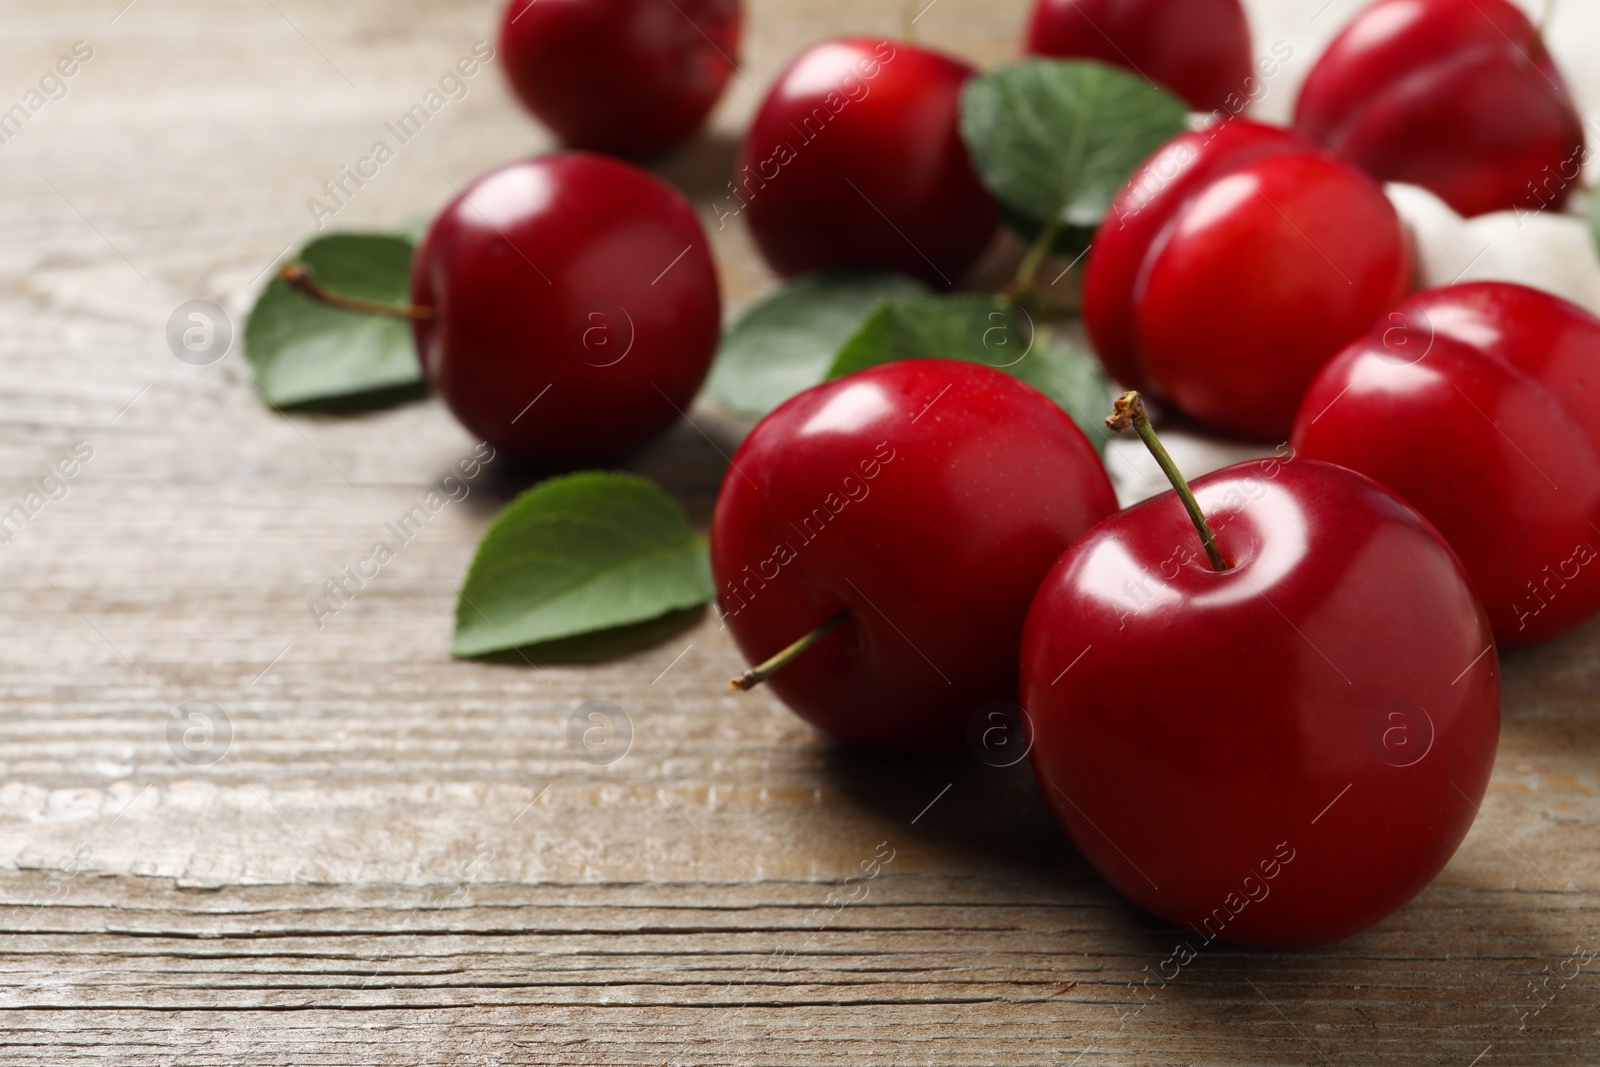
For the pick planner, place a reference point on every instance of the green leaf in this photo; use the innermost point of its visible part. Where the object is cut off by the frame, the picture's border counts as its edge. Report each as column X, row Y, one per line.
column 577, row 555
column 982, row 330
column 305, row 353
column 1056, row 140
column 785, row 343
column 1074, row 380
column 964, row 326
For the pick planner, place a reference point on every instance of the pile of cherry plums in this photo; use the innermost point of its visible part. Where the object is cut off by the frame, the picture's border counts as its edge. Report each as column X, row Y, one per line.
column 1266, row 704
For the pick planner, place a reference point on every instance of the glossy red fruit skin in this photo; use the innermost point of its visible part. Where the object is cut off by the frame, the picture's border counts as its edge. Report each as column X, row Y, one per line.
column 574, row 283
column 925, row 497
column 1457, row 96
column 1478, row 404
column 855, row 159
column 632, row 77
column 1237, row 261
column 1198, row 49
column 1280, row 754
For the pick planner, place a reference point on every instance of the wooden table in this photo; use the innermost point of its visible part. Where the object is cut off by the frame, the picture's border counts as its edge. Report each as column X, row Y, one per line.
column 390, row 857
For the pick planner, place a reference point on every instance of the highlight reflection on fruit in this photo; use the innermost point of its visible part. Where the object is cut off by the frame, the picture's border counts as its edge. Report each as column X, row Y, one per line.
column 912, row 509
column 1226, row 740
column 1477, row 404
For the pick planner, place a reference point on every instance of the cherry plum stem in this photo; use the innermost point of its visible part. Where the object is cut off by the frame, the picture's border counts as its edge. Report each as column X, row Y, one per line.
column 766, row 669
column 1541, row 46
column 1037, row 252
column 298, row 276
column 1129, row 411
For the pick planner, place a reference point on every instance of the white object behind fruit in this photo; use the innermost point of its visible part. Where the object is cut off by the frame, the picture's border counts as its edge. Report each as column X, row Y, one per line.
column 1553, row 252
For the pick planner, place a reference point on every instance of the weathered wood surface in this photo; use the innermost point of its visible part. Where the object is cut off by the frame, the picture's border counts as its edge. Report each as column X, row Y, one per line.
column 398, row 858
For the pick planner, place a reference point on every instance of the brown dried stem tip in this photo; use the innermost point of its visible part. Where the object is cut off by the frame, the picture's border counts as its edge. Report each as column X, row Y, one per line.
column 766, row 669
column 1541, row 33
column 1129, row 411
column 298, row 276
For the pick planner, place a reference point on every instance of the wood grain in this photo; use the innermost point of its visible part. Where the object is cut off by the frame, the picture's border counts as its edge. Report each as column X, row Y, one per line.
column 397, row 858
